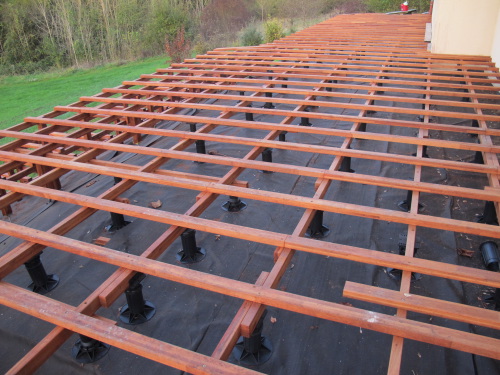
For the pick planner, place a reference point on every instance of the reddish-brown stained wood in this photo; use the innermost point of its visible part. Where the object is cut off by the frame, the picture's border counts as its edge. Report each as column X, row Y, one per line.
column 424, row 305
column 379, row 57
column 64, row 316
column 326, row 310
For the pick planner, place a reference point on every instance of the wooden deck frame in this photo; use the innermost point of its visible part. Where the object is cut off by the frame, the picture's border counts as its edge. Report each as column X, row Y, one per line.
column 319, row 65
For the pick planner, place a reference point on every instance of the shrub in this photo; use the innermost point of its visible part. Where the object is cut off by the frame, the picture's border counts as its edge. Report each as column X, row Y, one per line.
column 178, row 48
column 274, row 30
column 251, row 37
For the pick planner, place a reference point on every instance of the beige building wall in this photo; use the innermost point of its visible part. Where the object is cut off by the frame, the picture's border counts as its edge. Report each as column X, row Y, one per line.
column 466, row 27
column 495, row 51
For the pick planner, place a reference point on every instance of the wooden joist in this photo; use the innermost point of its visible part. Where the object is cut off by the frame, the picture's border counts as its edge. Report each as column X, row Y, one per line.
column 340, row 75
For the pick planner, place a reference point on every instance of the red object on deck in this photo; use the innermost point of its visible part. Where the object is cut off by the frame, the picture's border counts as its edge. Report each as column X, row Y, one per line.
column 404, row 7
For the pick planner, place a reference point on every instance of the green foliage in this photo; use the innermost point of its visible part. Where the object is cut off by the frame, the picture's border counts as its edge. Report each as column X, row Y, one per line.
column 167, row 20
column 37, row 35
column 273, row 30
column 251, row 37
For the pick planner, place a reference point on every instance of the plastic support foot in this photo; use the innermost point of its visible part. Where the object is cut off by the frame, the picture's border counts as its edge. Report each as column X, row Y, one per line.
column 345, row 166
column 249, row 115
column 475, row 124
column 489, row 215
column 282, row 136
column 88, row 350
column 405, row 205
column 190, row 253
column 424, row 152
column 234, row 204
column 200, row 146
column 200, row 149
column 478, row 158
column 495, row 299
column 41, row 282
column 136, row 310
column 316, row 228
column 267, row 156
column 304, row 121
column 397, row 274
column 117, row 222
column 269, row 105
column 254, row 350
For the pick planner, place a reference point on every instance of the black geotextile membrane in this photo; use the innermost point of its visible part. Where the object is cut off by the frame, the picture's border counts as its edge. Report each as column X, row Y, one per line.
column 197, row 319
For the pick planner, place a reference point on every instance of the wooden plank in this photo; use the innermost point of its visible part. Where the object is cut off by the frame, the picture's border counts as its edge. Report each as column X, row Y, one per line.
column 423, row 305
column 428, row 162
column 442, row 336
column 275, row 144
column 275, row 239
column 65, row 316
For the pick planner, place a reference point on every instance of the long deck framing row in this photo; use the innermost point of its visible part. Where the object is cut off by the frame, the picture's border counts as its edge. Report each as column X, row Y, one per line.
column 337, row 71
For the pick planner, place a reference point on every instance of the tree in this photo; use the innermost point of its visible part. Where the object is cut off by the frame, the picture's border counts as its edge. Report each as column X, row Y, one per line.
column 224, row 17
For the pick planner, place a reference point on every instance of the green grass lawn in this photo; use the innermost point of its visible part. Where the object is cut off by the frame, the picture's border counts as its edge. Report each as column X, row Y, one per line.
column 34, row 95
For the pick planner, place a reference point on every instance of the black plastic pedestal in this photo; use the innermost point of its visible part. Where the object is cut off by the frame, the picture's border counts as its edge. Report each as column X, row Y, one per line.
column 200, row 146
column 41, row 282
column 88, row 350
column 494, row 299
column 234, row 204
column 424, row 152
column 316, row 228
column 117, row 222
column 190, row 253
column 268, row 105
column 304, row 121
column 474, row 124
column 267, row 156
column 345, row 166
column 406, row 204
column 254, row 350
column 136, row 310
column 248, row 116
column 489, row 215
column 478, row 158
column 396, row 274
